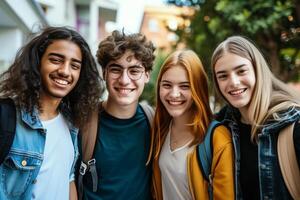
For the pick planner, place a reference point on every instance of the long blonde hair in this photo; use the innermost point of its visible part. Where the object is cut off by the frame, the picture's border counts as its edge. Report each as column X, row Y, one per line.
column 201, row 115
column 270, row 95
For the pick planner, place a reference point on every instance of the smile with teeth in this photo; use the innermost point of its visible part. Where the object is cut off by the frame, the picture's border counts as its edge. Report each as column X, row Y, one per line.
column 124, row 90
column 61, row 82
column 237, row 92
column 175, row 103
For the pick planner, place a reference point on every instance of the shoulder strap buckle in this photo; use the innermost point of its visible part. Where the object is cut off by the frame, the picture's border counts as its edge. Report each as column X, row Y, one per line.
column 83, row 168
column 91, row 162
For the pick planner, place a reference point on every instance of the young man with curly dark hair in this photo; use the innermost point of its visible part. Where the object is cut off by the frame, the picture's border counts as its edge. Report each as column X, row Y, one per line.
column 55, row 85
column 123, row 139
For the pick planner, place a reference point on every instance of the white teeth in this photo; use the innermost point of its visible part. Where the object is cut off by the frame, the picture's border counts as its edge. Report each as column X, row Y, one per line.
column 175, row 102
column 62, row 82
column 237, row 92
column 124, row 91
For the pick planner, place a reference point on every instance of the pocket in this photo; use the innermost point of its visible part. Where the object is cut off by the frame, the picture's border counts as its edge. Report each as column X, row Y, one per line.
column 19, row 169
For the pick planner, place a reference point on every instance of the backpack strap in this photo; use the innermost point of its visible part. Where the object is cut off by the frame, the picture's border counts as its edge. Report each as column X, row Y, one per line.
column 204, row 155
column 88, row 141
column 287, row 161
column 7, row 126
column 149, row 112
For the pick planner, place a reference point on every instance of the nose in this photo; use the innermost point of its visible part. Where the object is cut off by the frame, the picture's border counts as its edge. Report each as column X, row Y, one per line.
column 124, row 78
column 235, row 80
column 175, row 93
column 64, row 69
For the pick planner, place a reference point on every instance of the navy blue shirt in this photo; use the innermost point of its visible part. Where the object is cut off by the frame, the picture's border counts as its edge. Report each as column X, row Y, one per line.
column 121, row 153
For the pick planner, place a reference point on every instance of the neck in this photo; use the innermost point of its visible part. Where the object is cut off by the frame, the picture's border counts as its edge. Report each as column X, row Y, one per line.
column 180, row 127
column 48, row 108
column 180, row 134
column 244, row 116
column 120, row 111
column 182, row 119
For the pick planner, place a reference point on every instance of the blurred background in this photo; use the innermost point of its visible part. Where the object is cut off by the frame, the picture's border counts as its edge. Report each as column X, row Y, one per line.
column 171, row 24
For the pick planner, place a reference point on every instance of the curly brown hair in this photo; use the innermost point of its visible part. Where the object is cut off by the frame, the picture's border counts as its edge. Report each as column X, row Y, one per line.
column 114, row 46
column 22, row 81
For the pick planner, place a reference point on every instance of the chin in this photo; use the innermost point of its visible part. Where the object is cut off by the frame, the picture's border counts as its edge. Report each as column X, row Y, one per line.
column 125, row 102
column 239, row 105
column 58, row 95
column 175, row 114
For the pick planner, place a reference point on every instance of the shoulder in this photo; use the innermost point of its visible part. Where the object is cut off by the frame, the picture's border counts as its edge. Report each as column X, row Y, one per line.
column 291, row 114
column 227, row 112
column 147, row 109
column 7, row 107
column 6, row 101
column 221, row 138
column 222, row 132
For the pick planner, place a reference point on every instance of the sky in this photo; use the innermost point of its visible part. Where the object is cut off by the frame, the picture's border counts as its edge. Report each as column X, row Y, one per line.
column 131, row 13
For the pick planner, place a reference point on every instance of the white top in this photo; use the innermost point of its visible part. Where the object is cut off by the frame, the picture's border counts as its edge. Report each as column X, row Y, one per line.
column 53, row 180
column 173, row 170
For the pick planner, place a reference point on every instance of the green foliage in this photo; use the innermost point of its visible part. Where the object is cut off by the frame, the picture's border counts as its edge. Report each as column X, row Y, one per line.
column 150, row 88
column 273, row 24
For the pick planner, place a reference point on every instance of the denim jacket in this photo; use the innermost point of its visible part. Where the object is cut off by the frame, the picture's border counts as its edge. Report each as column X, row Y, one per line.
column 271, row 182
column 20, row 168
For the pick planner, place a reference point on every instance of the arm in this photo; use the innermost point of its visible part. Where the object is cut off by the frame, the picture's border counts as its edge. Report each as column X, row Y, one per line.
column 73, row 191
column 223, row 164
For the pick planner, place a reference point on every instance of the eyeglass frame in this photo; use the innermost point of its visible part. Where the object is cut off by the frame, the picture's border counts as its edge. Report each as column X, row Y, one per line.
column 120, row 67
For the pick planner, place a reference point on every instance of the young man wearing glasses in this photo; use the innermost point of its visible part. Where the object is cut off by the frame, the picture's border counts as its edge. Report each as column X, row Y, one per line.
column 123, row 139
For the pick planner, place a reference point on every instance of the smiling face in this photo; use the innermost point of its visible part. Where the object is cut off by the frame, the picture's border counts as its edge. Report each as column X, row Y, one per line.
column 236, row 79
column 60, row 69
column 125, row 80
column 175, row 92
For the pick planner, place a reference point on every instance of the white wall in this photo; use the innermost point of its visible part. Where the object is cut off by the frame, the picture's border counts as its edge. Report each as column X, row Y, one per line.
column 30, row 18
column 11, row 39
column 60, row 12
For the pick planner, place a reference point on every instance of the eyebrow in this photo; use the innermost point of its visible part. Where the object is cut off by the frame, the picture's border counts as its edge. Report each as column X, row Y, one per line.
column 235, row 68
column 131, row 66
column 166, row 81
column 62, row 56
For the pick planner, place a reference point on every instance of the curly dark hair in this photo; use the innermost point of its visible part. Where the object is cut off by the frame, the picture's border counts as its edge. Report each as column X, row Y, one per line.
column 22, row 81
column 114, row 46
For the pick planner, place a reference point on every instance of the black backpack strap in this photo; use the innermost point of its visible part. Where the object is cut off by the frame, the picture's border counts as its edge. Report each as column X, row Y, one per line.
column 205, row 154
column 7, row 126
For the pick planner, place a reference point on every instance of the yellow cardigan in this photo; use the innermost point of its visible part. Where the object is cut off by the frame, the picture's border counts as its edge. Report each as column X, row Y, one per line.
column 222, row 168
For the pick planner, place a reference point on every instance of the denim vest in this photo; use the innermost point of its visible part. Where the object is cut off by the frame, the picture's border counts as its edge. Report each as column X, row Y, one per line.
column 271, row 182
column 19, row 170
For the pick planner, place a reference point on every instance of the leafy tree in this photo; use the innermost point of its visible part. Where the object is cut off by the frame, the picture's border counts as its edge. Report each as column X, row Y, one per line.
column 149, row 90
column 274, row 25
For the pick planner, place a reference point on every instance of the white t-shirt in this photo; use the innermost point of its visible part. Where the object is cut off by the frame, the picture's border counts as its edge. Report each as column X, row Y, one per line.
column 173, row 168
column 53, row 180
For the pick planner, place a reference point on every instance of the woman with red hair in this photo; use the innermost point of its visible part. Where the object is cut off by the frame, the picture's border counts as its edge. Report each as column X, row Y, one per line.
column 180, row 123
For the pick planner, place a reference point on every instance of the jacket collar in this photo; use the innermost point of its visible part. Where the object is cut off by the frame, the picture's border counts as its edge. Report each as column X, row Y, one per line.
column 32, row 119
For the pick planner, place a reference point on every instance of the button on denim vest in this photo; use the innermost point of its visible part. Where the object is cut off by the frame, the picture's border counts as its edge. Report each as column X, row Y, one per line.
column 19, row 170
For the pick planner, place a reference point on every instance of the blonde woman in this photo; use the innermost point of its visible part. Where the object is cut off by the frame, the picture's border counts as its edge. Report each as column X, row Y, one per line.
column 259, row 106
column 180, row 123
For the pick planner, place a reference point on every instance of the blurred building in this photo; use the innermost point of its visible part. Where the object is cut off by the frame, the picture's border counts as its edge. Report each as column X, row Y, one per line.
column 160, row 22
column 17, row 20
column 94, row 19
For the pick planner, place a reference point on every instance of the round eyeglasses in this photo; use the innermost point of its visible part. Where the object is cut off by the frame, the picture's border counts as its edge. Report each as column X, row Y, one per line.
column 134, row 72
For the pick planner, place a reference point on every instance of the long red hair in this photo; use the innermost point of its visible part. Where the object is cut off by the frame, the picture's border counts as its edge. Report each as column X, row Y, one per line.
column 201, row 112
